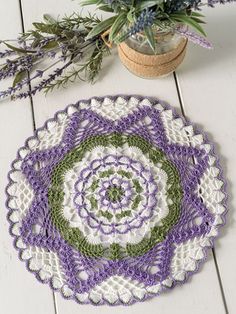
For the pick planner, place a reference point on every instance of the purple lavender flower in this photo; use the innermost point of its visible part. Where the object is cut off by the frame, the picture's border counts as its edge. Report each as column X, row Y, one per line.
column 44, row 82
column 145, row 19
column 173, row 6
column 211, row 3
column 192, row 36
column 6, row 53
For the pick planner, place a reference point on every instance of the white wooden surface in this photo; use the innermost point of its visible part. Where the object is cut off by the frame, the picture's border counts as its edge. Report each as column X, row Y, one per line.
column 206, row 83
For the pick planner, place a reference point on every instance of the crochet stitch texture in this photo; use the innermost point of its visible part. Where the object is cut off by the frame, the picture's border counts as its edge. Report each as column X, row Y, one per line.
column 115, row 200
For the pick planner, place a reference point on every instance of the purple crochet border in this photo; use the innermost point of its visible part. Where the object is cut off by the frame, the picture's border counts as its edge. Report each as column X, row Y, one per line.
column 196, row 129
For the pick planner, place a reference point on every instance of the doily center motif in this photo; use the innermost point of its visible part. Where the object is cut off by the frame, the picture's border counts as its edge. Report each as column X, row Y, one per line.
column 100, row 203
column 115, row 200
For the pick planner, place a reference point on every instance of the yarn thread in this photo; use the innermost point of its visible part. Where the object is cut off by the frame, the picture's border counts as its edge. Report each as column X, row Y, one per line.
column 115, row 200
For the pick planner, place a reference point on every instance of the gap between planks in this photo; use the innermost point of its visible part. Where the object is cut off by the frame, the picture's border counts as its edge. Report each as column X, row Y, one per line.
column 29, row 85
column 183, row 111
column 34, row 124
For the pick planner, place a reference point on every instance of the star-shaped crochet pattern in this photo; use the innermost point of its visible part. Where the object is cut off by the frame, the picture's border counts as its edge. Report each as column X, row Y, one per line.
column 115, row 200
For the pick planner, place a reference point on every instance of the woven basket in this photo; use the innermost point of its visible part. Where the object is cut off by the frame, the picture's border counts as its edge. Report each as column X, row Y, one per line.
column 150, row 66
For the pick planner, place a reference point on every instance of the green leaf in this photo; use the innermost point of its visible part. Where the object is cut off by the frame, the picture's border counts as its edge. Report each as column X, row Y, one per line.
column 148, row 4
column 101, row 27
column 150, row 37
column 89, row 2
column 35, row 43
column 51, row 44
column 17, row 49
column 48, row 28
column 196, row 19
column 36, row 35
column 117, row 25
column 130, row 15
column 189, row 21
column 105, row 8
column 19, row 77
column 49, row 19
column 197, row 14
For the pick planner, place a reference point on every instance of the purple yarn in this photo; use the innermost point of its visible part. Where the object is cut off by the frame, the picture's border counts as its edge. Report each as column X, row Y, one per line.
column 72, row 261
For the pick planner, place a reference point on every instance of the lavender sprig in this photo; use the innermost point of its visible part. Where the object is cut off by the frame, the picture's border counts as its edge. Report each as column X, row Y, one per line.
column 192, row 36
column 44, row 83
column 6, row 53
column 211, row 3
column 63, row 42
column 145, row 19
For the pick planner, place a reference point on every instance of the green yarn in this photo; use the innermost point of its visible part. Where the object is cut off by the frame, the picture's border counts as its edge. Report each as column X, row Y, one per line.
column 106, row 214
column 125, row 174
column 74, row 236
column 94, row 202
column 125, row 213
column 115, row 193
column 94, row 185
column 137, row 186
column 115, row 251
column 106, row 173
column 136, row 202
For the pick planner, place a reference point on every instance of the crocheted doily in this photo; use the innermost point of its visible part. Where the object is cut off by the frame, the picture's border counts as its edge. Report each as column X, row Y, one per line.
column 115, row 200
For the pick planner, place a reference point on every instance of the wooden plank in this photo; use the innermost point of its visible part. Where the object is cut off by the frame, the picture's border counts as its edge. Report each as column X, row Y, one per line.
column 203, row 294
column 16, row 283
column 207, row 81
